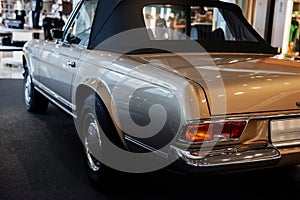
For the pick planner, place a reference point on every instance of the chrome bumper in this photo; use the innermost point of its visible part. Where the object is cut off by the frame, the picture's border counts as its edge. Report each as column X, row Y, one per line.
column 227, row 158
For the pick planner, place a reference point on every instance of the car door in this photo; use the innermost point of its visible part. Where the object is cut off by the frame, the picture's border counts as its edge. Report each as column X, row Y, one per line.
column 34, row 49
column 62, row 58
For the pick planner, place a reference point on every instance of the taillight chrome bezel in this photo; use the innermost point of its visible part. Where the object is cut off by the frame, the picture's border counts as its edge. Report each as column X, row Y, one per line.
column 182, row 139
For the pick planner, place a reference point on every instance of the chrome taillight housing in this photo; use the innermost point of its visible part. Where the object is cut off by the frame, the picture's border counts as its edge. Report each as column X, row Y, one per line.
column 213, row 131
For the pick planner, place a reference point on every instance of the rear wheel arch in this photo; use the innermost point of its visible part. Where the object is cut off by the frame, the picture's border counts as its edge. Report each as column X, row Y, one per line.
column 82, row 93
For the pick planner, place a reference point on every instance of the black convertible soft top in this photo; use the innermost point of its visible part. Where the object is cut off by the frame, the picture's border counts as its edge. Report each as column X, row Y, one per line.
column 114, row 17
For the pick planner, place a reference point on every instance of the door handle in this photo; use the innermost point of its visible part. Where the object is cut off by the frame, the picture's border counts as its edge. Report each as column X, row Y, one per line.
column 71, row 63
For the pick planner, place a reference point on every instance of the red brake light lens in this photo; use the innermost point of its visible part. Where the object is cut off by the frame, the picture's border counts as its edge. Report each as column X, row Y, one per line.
column 220, row 131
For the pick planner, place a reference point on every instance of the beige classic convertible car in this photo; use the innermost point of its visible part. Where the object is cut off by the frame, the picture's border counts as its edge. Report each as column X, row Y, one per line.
column 183, row 85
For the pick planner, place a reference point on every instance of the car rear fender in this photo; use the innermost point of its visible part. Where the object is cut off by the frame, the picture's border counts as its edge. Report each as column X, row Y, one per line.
column 90, row 86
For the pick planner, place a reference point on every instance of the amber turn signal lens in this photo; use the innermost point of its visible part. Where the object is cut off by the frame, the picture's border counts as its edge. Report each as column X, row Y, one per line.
column 221, row 131
column 198, row 133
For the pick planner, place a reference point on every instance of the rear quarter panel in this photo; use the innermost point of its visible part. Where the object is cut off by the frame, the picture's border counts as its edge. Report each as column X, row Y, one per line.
column 144, row 101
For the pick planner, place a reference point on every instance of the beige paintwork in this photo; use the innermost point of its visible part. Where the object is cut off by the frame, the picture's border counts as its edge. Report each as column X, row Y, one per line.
column 252, row 83
column 174, row 90
column 253, row 87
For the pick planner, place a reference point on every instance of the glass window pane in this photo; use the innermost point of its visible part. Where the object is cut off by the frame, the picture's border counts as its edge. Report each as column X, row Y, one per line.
column 79, row 31
column 169, row 22
column 165, row 22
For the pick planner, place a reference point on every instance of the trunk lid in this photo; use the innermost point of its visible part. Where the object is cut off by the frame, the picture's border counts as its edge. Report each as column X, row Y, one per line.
column 239, row 83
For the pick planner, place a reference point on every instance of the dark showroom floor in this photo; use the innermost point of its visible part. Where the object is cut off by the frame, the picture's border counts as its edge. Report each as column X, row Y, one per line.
column 41, row 158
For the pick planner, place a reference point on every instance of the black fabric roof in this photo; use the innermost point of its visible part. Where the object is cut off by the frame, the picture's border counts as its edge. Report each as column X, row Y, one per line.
column 104, row 9
column 116, row 16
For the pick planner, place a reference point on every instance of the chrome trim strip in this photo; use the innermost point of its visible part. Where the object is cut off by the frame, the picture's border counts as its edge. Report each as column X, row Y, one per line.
column 223, row 118
column 146, row 147
column 54, row 95
column 211, row 159
column 55, row 102
column 296, row 113
column 217, row 120
column 276, row 116
column 242, row 54
column 286, row 144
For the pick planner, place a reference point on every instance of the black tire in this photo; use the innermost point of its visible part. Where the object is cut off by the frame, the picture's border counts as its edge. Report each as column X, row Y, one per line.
column 91, row 135
column 34, row 101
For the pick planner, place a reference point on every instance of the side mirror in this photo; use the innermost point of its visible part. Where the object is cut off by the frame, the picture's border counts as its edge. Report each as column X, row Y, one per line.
column 57, row 34
column 72, row 39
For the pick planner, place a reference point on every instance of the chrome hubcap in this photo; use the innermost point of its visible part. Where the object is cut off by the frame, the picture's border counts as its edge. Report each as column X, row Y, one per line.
column 92, row 142
column 28, row 90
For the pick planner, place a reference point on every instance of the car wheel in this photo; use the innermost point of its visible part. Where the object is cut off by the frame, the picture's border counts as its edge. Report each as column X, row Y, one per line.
column 34, row 101
column 92, row 133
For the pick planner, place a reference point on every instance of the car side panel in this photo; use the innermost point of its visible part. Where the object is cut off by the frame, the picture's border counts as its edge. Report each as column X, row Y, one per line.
column 56, row 74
